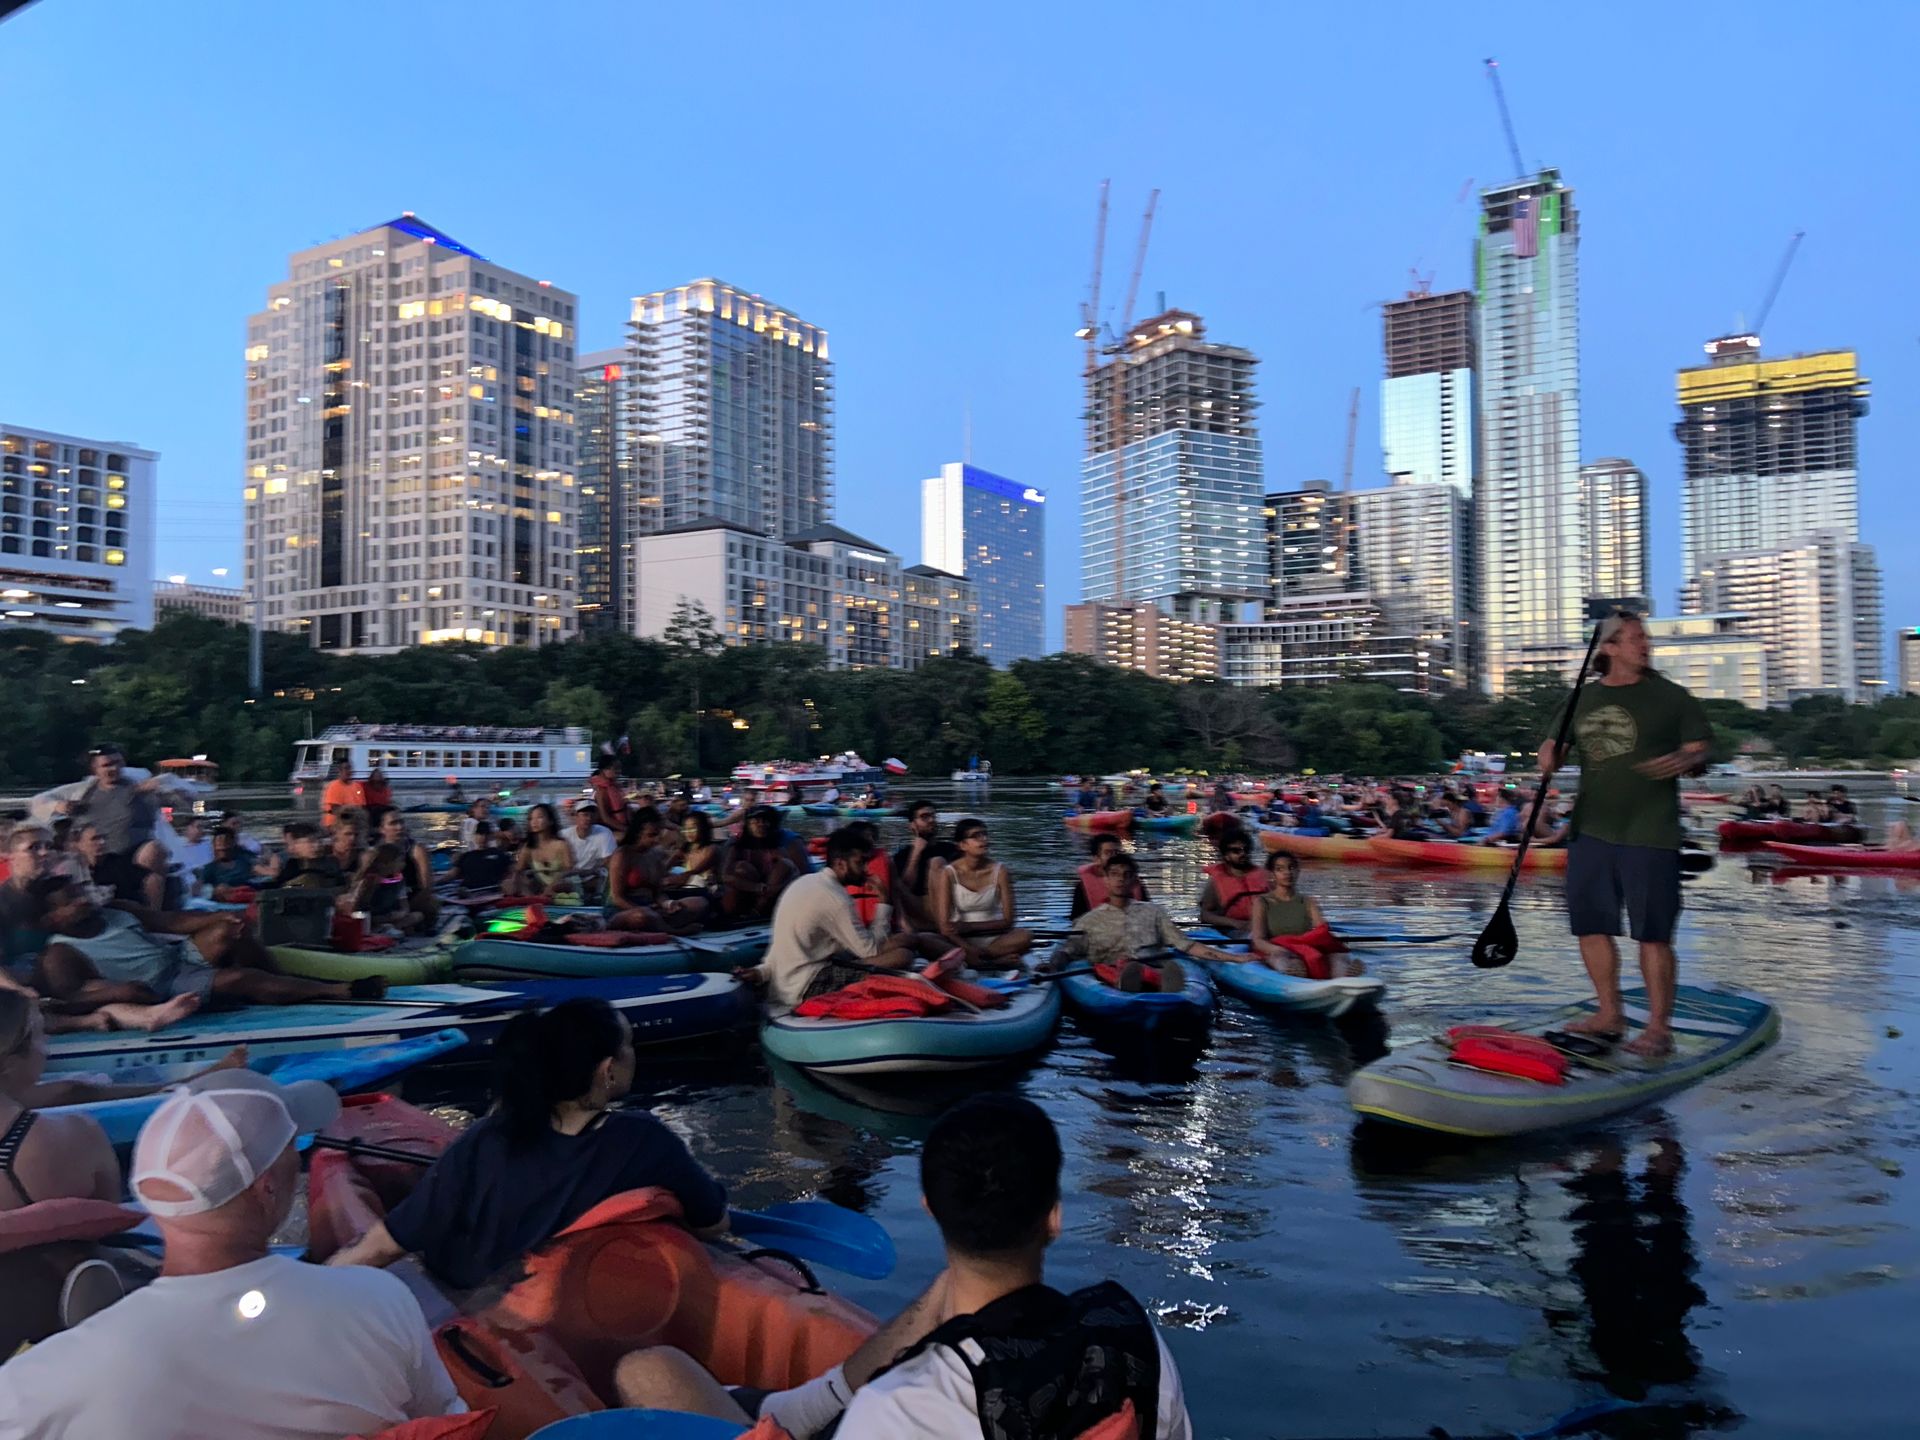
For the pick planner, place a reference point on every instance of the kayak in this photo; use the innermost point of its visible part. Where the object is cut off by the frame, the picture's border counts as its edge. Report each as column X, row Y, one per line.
column 641, row 1425
column 496, row 957
column 411, row 962
column 1348, row 848
column 1101, row 820
column 1143, row 821
column 1260, row 984
column 624, row 1276
column 961, row 1041
column 1463, row 856
column 661, row 1008
column 854, row 812
column 1187, row 1011
column 1845, row 857
column 1705, row 797
column 1419, row 1085
column 345, row 1070
column 1806, row 832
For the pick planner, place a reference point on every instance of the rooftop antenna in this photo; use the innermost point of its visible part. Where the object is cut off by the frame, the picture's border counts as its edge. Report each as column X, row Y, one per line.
column 1506, row 119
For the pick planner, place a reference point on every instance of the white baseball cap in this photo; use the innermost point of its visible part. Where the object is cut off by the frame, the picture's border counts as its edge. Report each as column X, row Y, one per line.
column 214, row 1136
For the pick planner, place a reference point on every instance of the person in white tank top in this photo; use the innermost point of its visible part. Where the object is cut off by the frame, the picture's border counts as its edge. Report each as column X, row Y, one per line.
column 973, row 902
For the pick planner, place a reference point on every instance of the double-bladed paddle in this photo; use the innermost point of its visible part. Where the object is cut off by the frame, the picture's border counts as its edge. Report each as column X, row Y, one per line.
column 1498, row 943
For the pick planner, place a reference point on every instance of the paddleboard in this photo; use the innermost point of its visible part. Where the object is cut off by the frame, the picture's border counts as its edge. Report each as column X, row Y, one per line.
column 1419, row 1085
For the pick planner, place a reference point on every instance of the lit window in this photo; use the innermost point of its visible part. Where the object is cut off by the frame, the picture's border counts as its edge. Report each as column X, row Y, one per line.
column 116, row 557
column 116, row 502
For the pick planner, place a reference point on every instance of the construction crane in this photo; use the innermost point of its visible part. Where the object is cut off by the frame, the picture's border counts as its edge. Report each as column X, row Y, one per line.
column 1115, row 348
column 1506, row 119
column 1344, row 519
column 1779, row 278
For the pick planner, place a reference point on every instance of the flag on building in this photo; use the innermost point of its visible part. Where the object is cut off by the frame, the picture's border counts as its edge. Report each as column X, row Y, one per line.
column 1526, row 228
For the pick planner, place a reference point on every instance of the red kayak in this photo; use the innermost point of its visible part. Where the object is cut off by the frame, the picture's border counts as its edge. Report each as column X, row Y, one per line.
column 1845, row 857
column 1102, row 820
column 1806, row 832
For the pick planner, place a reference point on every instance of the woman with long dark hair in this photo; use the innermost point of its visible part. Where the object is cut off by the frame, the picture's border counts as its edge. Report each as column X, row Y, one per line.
column 542, row 862
column 551, row 1149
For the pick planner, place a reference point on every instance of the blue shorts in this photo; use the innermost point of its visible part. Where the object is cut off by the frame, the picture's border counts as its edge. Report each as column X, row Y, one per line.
column 1604, row 879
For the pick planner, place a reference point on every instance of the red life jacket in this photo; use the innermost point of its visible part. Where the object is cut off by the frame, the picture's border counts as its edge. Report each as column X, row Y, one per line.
column 1093, row 880
column 878, row 997
column 1487, row 1047
column 1237, row 890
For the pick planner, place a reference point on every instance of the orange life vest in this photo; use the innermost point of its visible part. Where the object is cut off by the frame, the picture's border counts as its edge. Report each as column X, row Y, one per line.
column 1093, row 880
column 1236, row 890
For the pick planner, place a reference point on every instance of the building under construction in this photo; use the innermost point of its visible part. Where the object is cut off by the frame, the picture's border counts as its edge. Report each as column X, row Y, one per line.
column 1171, row 481
column 1426, row 398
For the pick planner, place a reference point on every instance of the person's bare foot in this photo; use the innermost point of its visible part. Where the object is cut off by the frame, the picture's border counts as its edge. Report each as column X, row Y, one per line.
column 146, row 1017
column 234, row 1059
column 1653, row 1043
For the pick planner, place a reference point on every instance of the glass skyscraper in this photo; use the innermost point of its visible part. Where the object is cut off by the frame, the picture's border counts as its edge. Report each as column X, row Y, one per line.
column 1426, row 399
column 1527, row 497
column 1171, row 493
column 992, row 531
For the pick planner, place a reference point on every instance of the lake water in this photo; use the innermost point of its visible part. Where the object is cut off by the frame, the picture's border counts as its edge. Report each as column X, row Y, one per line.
column 1744, row 1252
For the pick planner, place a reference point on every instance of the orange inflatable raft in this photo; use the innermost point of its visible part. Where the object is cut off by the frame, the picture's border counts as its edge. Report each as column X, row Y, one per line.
column 622, row 1277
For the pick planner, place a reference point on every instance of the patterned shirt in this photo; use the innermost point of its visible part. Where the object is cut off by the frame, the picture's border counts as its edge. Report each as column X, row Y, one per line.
column 1111, row 933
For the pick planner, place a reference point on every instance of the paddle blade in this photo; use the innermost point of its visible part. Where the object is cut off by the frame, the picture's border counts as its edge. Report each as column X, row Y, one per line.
column 1497, row 944
column 821, row 1231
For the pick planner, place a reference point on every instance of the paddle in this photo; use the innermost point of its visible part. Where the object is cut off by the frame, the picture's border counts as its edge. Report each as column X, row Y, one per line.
column 1498, row 943
column 846, row 1240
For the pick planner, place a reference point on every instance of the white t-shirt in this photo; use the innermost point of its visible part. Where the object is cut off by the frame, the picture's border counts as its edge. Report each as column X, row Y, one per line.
column 591, row 850
column 271, row 1350
column 812, row 922
column 931, row 1397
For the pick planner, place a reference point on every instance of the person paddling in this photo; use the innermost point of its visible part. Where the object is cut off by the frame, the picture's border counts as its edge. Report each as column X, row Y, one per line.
column 1234, row 883
column 1636, row 733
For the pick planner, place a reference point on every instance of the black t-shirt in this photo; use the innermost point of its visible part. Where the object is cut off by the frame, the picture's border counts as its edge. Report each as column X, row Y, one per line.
column 485, row 1203
column 483, row 869
column 915, row 880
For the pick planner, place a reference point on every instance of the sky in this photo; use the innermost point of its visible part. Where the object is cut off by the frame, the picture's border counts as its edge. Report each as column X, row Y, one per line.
column 921, row 180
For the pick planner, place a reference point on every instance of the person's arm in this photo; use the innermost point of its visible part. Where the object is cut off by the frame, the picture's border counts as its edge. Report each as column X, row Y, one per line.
column 844, row 927
column 808, row 1409
column 1008, row 910
column 1261, row 943
column 376, row 1248
column 668, row 1163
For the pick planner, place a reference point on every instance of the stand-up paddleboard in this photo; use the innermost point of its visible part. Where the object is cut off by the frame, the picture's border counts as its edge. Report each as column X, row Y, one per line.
column 1422, row 1086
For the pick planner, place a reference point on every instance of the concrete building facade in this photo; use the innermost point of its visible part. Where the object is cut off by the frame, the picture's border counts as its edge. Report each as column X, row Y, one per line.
column 1717, row 657
column 1171, row 479
column 1426, row 398
column 942, row 613
column 1412, row 550
column 1816, row 606
column 1308, row 550
column 225, row 603
column 992, row 531
column 730, row 403
column 410, row 447
column 1531, row 562
column 76, row 533
column 1141, row 636
column 1324, row 639
column 1613, row 519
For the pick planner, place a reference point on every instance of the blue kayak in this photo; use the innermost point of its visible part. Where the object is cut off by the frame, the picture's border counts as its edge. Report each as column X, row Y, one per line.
column 955, row 1041
column 1260, row 984
column 345, row 1070
column 501, row 957
column 1143, row 821
column 1184, row 1011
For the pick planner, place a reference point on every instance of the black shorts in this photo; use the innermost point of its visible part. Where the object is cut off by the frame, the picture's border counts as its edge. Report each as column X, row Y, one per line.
column 1604, row 878
column 836, row 974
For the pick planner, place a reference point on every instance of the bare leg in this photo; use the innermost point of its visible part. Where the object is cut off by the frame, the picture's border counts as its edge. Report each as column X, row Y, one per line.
column 1007, row 948
column 663, row 1378
column 70, row 979
column 1602, row 958
column 261, row 987
column 1658, row 968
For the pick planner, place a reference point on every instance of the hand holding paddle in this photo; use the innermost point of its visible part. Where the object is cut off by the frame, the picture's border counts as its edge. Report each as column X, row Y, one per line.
column 1498, row 943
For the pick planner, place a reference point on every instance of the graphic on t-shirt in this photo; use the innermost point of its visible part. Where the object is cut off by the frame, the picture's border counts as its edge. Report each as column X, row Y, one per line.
column 1608, row 733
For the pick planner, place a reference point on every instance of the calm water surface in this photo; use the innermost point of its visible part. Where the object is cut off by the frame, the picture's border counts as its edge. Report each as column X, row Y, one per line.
column 1746, row 1250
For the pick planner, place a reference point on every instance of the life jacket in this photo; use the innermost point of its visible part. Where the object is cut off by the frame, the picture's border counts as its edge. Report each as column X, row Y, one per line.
column 878, row 997
column 1315, row 949
column 866, row 896
column 1093, row 880
column 1107, row 972
column 1237, row 890
column 1487, row 1047
column 1048, row 1365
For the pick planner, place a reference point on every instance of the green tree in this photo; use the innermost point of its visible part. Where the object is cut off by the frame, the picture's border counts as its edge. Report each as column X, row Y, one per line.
column 566, row 703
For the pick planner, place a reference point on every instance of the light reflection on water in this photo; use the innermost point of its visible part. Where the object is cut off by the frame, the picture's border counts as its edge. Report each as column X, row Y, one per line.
column 1749, row 1244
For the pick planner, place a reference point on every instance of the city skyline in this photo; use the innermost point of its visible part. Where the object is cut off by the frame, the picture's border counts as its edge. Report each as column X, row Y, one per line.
column 853, row 255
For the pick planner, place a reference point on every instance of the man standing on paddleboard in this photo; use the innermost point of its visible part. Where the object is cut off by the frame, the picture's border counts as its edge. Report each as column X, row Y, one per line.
column 1635, row 733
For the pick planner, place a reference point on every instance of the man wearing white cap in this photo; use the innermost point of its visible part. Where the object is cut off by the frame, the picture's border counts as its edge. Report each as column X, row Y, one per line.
column 232, row 1342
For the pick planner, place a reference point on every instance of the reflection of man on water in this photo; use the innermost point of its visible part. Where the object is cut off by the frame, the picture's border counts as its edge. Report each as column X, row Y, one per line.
column 1634, row 1262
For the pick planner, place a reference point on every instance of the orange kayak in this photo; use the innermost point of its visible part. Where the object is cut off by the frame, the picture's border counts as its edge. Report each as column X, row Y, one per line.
column 623, row 1276
column 1469, row 857
column 1102, row 820
column 1317, row 847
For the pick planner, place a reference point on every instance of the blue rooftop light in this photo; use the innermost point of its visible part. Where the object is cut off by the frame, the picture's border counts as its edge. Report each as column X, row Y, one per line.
column 413, row 225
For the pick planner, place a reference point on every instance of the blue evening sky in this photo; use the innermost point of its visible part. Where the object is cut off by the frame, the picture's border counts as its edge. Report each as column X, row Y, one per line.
column 921, row 181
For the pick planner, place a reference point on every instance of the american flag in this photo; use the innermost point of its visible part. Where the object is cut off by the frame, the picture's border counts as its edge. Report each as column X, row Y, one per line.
column 1526, row 229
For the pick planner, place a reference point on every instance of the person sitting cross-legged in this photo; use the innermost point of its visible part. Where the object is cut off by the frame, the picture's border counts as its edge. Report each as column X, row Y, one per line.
column 1122, row 937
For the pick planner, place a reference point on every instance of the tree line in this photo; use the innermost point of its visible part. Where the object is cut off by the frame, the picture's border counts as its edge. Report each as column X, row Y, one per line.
column 686, row 704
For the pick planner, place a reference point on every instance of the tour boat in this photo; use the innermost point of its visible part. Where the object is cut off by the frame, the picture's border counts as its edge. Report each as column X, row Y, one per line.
column 198, row 777
column 782, row 782
column 488, row 757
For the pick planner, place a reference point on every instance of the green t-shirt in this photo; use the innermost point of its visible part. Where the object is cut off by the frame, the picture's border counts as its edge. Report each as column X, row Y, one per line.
column 1616, row 727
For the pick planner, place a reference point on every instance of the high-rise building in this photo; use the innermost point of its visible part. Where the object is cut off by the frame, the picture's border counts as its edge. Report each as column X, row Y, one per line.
column 1531, row 562
column 1412, row 554
column 1908, row 645
column 410, row 447
column 732, row 410
column 1816, row 605
column 1141, row 636
column 1171, row 479
column 1716, row 657
column 225, row 603
column 76, row 534
column 1426, row 399
column 1770, row 449
column 605, row 471
column 1613, row 519
column 1322, row 639
column 992, row 531
column 1307, row 543
column 942, row 615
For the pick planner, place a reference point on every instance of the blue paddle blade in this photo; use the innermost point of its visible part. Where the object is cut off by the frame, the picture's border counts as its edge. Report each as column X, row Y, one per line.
column 822, row 1231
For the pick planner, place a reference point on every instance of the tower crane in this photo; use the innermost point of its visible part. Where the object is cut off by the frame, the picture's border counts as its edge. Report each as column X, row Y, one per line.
column 1115, row 348
column 1506, row 119
column 1779, row 278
